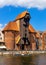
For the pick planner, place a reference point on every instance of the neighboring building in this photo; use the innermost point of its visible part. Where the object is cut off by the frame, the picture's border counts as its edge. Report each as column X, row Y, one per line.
column 40, row 40
column 44, row 40
column 2, row 44
column 1, row 37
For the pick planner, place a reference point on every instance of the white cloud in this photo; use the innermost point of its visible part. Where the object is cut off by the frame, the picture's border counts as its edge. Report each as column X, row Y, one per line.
column 40, row 4
column 5, row 24
column 2, row 26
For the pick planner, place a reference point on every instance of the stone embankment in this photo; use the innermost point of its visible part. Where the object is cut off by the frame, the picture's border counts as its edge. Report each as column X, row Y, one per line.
column 21, row 52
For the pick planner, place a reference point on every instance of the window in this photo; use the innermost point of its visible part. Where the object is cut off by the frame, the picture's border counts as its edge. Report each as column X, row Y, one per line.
column 25, row 30
column 0, row 38
column 25, row 25
column 45, row 39
column 25, row 34
column 0, row 34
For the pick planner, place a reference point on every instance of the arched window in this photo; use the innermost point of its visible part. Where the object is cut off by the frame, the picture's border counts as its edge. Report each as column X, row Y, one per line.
column 0, row 34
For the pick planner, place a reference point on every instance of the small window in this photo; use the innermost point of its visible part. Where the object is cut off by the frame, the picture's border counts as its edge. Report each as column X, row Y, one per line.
column 1, row 38
column 25, row 30
column 45, row 38
column 25, row 25
column 0, row 34
column 25, row 34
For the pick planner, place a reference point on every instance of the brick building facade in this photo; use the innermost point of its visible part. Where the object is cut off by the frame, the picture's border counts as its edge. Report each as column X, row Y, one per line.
column 20, row 35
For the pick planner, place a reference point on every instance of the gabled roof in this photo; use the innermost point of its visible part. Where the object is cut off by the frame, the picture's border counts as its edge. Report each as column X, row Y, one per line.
column 11, row 26
column 21, row 15
column 31, row 29
column 38, row 34
column 14, row 26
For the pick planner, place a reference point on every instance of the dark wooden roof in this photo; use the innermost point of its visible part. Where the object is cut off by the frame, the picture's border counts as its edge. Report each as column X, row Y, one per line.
column 21, row 15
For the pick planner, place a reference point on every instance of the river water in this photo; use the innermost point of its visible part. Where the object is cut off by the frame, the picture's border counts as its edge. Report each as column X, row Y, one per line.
column 23, row 60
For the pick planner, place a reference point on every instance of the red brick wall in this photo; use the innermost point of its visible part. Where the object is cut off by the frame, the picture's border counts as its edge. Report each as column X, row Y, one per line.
column 9, row 40
column 44, row 40
column 32, row 41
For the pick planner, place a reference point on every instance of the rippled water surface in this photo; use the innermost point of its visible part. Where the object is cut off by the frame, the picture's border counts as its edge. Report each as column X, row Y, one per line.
column 23, row 60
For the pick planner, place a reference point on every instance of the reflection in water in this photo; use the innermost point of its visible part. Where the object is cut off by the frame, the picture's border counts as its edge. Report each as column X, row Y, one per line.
column 23, row 60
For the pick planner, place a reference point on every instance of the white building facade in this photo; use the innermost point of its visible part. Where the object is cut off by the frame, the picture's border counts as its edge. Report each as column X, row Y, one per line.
column 1, row 37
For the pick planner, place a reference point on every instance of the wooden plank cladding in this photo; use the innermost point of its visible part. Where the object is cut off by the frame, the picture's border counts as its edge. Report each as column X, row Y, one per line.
column 20, row 35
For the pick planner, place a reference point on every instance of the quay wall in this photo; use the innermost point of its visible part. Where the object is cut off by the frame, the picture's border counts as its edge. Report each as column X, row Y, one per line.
column 21, row 52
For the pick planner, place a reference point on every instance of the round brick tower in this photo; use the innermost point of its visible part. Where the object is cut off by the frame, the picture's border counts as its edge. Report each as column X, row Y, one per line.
column 9, row 40
column 9, row 35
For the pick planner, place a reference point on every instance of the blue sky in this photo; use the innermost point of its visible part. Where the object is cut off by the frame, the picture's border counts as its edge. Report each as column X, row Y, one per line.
column 38, row 15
